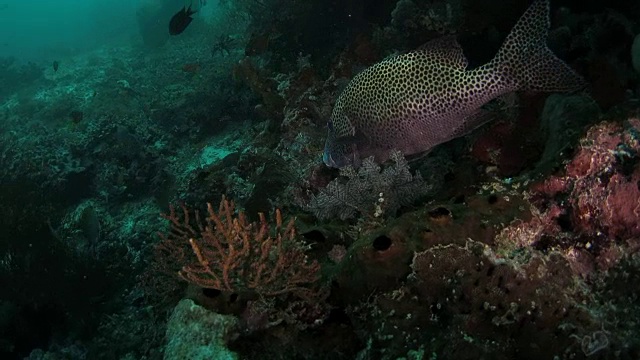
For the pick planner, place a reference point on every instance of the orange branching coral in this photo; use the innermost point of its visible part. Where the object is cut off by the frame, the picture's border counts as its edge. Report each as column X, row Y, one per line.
column 235, row 255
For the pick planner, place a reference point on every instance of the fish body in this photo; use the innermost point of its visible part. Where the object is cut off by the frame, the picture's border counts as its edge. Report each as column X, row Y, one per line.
column 181, row 20
column 56, row 65
column 415, row 101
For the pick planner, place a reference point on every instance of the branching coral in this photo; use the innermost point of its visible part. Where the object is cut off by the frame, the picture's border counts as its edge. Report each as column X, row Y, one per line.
column 231, row 254
column 370, row 190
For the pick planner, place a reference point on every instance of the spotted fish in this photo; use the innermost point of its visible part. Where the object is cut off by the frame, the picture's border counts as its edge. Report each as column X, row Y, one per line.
column 415, row 101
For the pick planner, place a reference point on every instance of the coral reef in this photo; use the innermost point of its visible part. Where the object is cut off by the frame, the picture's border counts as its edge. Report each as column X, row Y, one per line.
column 483, row 295
column 369, row 191
column 231, row 254
column 518, row 241
column 596, row 197
column 195, row 333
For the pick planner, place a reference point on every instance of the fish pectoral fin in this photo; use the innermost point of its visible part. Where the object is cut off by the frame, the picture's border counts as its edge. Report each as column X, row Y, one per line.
column 188, row 9
column 507, row 105
column 356, row 138
column 473, row 122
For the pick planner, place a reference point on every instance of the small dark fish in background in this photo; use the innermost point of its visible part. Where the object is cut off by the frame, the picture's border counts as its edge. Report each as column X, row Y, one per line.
column 56, row 65
column 181, row 20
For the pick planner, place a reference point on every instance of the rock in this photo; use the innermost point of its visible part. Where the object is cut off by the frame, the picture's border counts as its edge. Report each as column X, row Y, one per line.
column 196, row 333
column 563, row 120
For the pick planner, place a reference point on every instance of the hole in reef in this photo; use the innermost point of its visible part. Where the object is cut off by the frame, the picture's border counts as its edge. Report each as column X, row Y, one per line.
column 233, row 297
column 439, row 212
column 564, row 221
column 338, row 316
column 382, row 243
column 568, row 152
column 491, row 270
column 450, row 176
column 626, row 165
column 315, row 236
column 544, row 243
column 335, row 284
column 211, row 293
column 492, row 199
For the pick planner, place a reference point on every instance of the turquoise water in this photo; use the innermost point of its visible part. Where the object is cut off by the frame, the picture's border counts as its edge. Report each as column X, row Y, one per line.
column 42, row 30
column 33, row 30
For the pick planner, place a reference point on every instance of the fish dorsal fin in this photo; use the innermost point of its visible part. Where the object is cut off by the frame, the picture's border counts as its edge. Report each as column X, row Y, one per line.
column 445, row 50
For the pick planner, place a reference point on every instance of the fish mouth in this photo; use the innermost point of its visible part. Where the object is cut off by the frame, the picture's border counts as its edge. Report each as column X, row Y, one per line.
column 328, row 160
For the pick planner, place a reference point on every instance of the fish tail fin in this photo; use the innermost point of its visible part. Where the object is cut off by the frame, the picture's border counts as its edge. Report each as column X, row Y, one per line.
column 528, row 61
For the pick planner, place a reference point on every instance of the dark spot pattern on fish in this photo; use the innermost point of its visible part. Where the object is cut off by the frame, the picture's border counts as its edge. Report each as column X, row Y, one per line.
column 415, row 101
